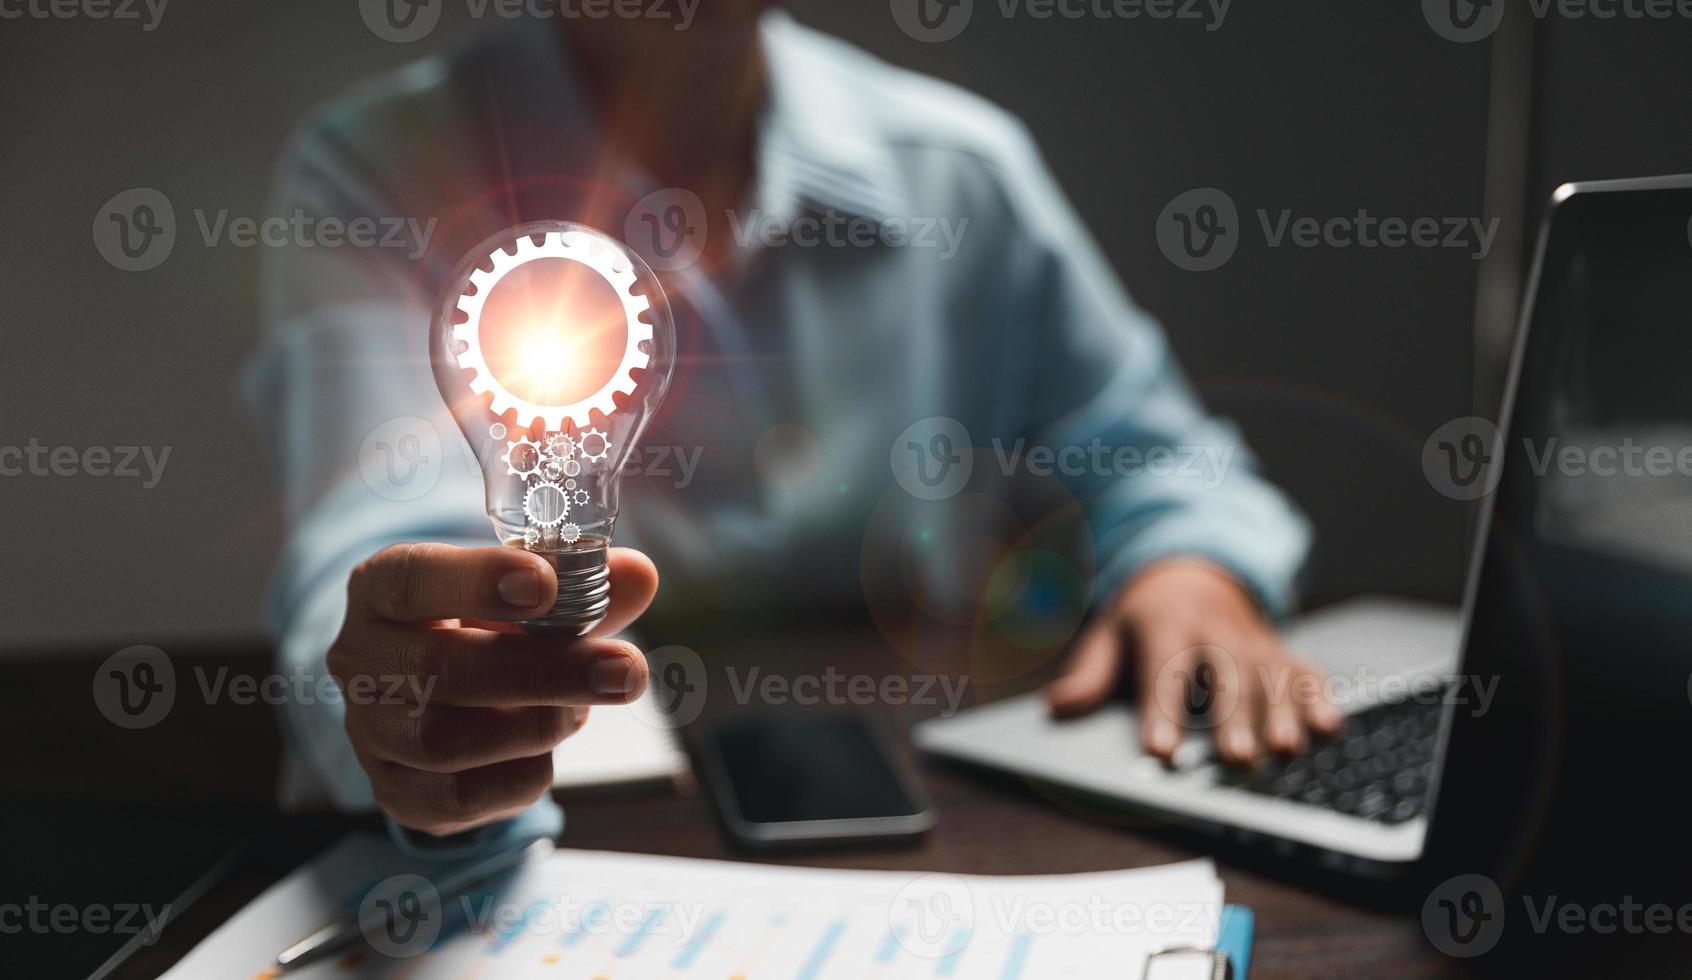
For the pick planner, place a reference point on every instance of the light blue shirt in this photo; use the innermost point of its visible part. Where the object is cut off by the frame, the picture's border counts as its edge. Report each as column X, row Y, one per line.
column 956, row 283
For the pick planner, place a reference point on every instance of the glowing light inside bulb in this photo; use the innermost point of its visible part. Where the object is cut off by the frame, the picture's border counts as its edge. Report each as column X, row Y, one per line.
column 553, row 332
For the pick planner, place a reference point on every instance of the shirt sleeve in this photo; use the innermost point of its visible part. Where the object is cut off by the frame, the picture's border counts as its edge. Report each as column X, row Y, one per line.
column 366, row 454
column 1157, row 475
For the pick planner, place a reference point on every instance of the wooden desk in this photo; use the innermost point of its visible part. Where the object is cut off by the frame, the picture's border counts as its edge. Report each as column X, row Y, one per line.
column 137, row 816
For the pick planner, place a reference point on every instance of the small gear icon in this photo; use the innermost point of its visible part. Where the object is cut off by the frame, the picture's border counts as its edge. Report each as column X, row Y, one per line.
column 570, row 533
column 546, row 505
column 604, row 445
column 559, row 446
column 523, row 457
column 531, row 536
column 571, row 467
column 553, row 470
column 582, row 497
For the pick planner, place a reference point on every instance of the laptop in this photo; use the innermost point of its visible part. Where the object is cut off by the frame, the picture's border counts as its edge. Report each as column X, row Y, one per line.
column 1527, row 722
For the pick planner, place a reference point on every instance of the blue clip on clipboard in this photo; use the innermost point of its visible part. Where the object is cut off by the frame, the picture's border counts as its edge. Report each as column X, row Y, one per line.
column 1231, row 957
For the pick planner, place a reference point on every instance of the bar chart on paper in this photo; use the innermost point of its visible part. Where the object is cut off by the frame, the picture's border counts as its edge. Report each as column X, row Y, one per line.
column 624, row 917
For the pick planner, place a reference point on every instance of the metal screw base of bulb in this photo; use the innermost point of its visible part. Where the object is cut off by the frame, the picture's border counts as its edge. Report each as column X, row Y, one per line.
column 584, row 588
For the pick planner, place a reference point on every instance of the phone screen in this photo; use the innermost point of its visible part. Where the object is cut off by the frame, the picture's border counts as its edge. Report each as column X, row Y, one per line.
column 786, row 770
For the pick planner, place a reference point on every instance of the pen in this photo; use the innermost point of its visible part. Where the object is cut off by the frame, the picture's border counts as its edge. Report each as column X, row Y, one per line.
column 348, row 929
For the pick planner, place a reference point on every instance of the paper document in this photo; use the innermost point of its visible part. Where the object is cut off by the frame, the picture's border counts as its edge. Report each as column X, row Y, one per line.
column 594, row 914
column 619, row 744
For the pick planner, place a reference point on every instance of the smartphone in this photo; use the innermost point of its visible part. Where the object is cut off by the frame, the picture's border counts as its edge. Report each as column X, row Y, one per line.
column 800, row 779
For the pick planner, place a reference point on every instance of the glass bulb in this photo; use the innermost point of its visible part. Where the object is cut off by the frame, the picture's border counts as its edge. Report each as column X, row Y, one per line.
column 552, row 346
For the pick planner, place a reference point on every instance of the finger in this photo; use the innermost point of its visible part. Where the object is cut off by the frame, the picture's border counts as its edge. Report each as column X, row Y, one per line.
column 479, row 669
column 1318, row 712
column 634, row 581
column 491, row 625
column 1090, row 676
column 413, row 583
column 446, row 803
column 1233, row 709
column 1167, row 664
column 1283, row 717
column 444, row 738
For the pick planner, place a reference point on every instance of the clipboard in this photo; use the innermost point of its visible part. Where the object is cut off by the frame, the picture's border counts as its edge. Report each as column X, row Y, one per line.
column 1230, row 957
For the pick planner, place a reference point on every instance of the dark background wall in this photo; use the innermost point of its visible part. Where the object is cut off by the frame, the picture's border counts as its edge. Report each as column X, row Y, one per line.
column 1336, row 362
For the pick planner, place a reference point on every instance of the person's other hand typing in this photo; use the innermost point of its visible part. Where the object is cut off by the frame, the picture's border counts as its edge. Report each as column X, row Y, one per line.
column 1172, row 620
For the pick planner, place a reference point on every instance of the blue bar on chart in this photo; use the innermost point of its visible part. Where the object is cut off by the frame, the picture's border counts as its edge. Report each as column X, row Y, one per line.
column 889, row 946
column 581, row 930
column 949, row 963
column 820, row 955
column 632, row 945
column 684, row 959
column 504, row 936
column 1017, row 956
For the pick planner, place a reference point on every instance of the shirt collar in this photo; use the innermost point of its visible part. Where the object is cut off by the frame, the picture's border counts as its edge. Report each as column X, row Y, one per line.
column 816, row 148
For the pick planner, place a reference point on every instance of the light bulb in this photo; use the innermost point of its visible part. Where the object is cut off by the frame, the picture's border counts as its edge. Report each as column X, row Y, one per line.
column 552, row 346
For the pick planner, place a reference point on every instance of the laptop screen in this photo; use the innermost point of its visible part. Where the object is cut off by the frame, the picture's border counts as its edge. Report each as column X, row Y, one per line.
column 1581, row 603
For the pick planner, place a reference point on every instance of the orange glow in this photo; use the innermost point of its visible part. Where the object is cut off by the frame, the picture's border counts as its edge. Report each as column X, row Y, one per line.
column 553, row 332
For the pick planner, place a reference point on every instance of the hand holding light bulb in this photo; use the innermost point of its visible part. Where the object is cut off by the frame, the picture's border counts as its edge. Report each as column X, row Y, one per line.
column 460, row 710
column 552, row 347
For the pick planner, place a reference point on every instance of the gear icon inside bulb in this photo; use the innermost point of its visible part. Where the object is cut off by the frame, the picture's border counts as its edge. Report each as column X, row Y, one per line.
column 546, row 505
column 599, row 255
column 586, row 444
column 559, row 446
column 523, row 457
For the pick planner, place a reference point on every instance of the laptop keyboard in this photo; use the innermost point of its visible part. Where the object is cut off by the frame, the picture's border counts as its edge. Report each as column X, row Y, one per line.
column 1376, row 767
